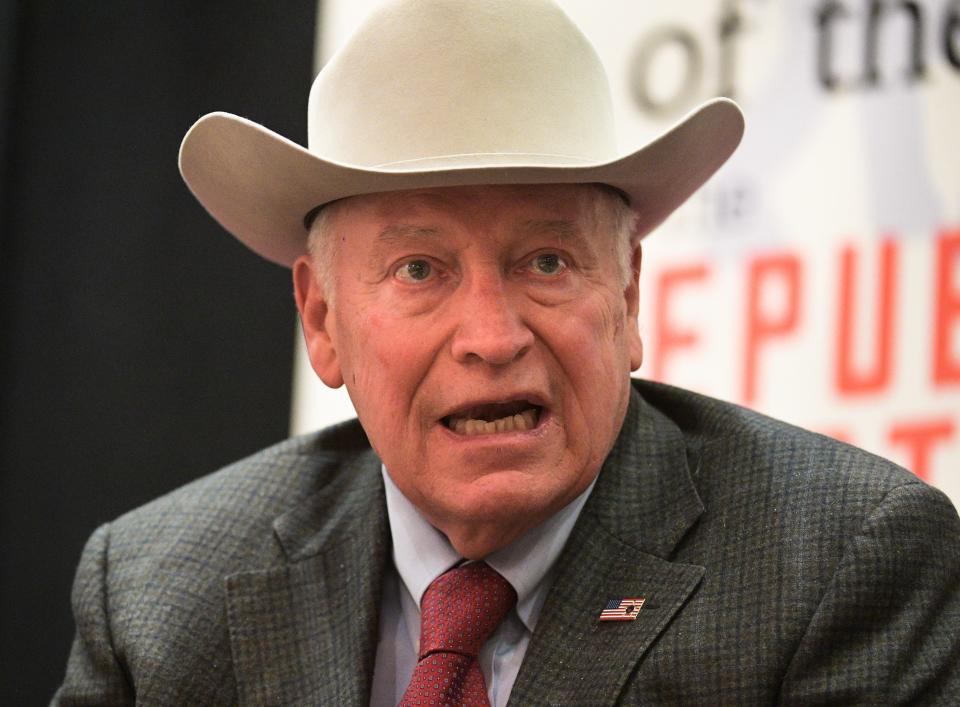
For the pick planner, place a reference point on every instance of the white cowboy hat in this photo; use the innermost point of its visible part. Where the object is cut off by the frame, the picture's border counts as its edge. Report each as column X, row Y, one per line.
column 431, row 93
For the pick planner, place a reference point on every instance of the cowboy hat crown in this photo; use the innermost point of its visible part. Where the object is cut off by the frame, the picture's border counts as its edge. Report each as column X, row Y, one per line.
column 447, row 82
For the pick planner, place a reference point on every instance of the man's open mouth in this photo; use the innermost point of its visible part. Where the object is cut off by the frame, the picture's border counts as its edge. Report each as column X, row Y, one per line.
column 514, row 416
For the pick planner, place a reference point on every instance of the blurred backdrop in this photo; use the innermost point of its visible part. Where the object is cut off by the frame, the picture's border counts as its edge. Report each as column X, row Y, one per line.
column 141, row 346
column 816, row 277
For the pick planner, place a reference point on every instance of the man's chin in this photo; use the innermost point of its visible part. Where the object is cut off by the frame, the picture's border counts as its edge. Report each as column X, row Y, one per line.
column 484, row 515
column 478, row 538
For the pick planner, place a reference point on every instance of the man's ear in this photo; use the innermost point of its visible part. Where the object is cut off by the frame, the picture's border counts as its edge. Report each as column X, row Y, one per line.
column 632, row 295
column 316, row 318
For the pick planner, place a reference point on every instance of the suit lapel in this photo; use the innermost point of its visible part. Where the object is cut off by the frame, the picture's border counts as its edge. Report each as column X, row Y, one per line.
column 304, row 632
column 644, row 502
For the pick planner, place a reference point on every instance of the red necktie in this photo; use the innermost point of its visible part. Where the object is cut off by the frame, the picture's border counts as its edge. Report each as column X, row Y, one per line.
column 459, row 611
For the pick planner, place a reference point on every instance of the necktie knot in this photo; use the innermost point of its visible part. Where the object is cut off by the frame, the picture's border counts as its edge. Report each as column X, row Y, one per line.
column 462, row 608
column 458, row 612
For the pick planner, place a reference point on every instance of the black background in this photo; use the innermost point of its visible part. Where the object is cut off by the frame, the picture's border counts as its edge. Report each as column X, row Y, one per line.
column 141, row 345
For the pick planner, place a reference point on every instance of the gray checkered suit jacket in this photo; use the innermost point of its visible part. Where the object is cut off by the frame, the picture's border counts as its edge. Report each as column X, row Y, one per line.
column 778, row 567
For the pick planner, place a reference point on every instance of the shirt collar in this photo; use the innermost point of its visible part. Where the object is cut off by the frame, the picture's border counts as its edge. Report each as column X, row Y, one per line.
column 421, row 553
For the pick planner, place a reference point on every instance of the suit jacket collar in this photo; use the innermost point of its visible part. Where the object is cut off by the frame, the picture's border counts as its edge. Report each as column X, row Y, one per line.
column 643, row 504
column 304, row 631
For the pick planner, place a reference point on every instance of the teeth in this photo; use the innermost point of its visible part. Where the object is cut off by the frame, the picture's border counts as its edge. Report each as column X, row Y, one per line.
column 520, row 422
column 530, row 416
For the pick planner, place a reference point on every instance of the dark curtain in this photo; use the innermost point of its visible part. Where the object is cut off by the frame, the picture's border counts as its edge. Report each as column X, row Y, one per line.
column 141, row 345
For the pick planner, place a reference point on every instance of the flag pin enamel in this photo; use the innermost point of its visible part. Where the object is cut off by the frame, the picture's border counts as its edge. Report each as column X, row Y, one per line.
column 621, row 609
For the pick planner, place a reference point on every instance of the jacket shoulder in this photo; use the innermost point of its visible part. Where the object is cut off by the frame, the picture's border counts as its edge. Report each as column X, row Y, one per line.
column 148, row 596
column 230, row 507
column 777, row 490
column 764, row 446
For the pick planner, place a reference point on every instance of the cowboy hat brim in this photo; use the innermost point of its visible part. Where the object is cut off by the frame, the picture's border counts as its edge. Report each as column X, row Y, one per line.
column 259, row 185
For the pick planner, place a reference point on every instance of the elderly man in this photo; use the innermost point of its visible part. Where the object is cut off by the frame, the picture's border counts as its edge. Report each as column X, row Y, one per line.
column 513, row 518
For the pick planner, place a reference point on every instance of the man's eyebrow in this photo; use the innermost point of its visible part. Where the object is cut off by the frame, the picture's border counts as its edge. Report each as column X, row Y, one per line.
column 397, row 233
column 564, row 230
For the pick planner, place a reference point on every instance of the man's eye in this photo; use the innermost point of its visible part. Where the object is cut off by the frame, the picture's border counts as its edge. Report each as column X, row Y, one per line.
column 548, row 264
column 414, row 271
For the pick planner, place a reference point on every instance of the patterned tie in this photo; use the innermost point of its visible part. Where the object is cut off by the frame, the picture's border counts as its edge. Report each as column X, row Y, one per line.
column 459, row 611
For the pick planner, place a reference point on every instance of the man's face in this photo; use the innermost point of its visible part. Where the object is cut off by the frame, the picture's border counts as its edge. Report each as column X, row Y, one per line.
column 485, row 337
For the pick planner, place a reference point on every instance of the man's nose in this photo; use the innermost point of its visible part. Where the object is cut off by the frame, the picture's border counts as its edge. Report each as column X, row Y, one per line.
column 491, row 329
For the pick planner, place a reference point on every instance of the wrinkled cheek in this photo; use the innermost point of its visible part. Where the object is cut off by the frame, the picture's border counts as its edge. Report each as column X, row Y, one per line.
column 381, row 408
column 618, row 326
column 601, row 380
column 608, row 342
column 621, row 333
column 371, row 348
column 612, row 319
column 387, row 382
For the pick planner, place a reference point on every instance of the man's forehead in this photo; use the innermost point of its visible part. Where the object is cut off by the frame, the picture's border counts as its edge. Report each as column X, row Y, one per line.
column 399, row 232
column 551, row 208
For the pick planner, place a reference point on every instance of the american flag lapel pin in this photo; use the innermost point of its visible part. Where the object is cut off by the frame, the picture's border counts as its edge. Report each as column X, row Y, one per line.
column 620, row 609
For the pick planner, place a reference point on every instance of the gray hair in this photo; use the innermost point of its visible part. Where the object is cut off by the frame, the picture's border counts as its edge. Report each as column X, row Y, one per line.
column 322, row 246
column 610, row 208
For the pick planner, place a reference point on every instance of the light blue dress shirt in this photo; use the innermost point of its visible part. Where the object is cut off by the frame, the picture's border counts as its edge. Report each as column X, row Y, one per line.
column 421, row 553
